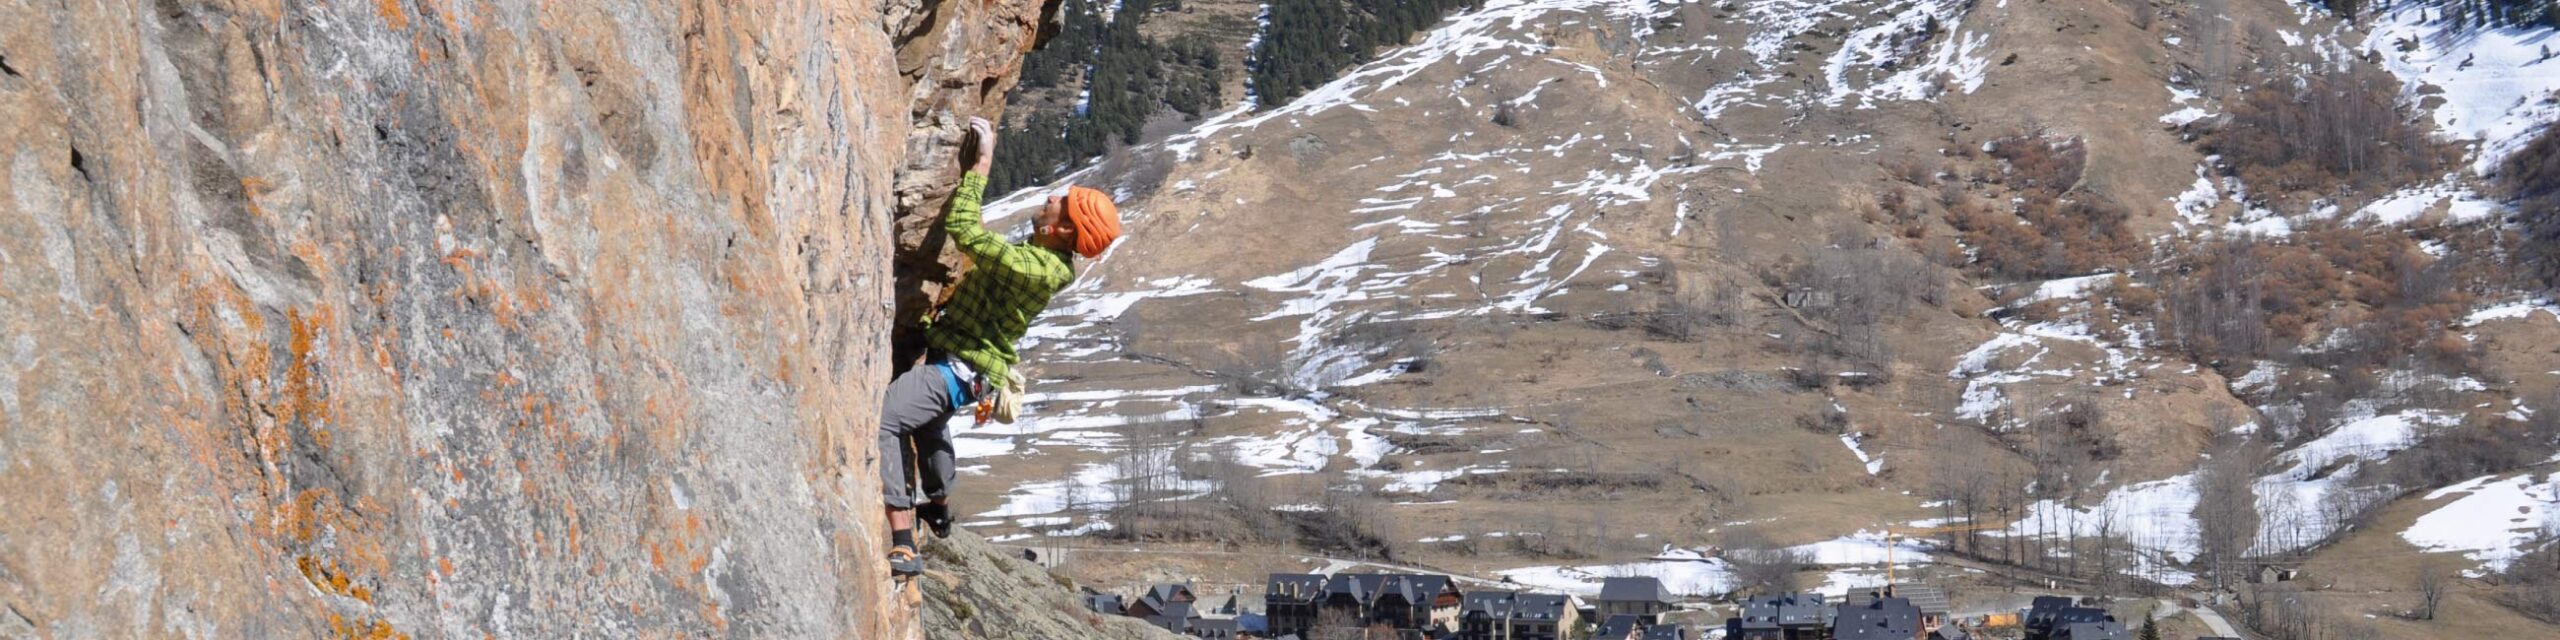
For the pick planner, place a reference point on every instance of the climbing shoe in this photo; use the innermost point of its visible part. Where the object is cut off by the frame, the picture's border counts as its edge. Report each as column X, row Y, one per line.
column 936, row 516
column 904, row 563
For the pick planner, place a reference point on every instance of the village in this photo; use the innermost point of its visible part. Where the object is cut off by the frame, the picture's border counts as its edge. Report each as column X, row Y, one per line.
column 1413, row 606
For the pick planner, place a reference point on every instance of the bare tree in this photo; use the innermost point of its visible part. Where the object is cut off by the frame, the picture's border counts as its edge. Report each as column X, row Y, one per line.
column 2431, row 580
column 1961, row 488
column 1760, row 565
column 1691, row 308
column 2209, row 27
column 2107, row 570
column 2217, row 312
column 1340, row 623
column 1857, row 286
column 2226, row 508
column 1145, row 466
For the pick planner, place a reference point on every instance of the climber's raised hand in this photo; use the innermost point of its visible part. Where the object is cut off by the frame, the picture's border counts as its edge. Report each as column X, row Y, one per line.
column 982, row 135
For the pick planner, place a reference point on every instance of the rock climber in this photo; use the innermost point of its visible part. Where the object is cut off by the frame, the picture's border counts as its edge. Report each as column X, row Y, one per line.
column 969, row 343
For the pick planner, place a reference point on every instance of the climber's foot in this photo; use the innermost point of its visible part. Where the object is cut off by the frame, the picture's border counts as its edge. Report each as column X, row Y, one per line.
column 936, row 516
column 903, row 562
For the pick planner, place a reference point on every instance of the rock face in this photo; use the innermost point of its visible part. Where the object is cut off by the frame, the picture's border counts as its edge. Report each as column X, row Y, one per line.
column 453, row 319
column 978, row 590
column 959, row 59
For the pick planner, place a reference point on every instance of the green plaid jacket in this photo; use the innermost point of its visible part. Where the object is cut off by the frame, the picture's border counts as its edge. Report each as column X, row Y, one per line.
column 1007, row 286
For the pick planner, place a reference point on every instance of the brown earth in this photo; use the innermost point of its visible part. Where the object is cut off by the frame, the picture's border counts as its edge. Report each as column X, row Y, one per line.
column 1577, row 383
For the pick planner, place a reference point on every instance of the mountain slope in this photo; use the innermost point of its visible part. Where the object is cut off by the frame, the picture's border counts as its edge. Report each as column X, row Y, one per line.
column 1610, row 276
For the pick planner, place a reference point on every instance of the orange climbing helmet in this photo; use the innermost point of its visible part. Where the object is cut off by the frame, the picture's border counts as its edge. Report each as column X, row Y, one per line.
column 1097, row 220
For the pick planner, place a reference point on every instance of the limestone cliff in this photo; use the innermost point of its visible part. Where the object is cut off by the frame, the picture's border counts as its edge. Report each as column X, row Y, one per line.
column 455, row 319
column 978, row 590
column 959, row 59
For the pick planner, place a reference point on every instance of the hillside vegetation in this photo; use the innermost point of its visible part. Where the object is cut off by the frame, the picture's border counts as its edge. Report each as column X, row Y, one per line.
column 2151, row 295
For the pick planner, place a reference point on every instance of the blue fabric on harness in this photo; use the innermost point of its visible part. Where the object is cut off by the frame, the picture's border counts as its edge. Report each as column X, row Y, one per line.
column 951, row 384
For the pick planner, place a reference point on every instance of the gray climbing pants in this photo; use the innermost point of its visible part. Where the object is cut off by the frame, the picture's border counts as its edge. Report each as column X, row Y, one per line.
column 918, row 410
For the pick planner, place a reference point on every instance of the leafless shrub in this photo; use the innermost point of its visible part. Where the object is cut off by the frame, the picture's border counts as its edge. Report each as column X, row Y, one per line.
column 1552, row 536
column 1759, row 565
column 2531, row 583
column 1829, row 421
column 1549, row 485
column 2532, row 178
column 2038, row 162
column 2375, row 294
column 1813, row 375
column 2470, row 451
column 1690, row 310
column 1950, row 193
column 2338, row 128
column 2208, row 24
column 2068, row 439
column 2141, row 13
column 1911, row 169
column 1399, row 341
column 1863, row 287
column 2291, row 613
column 2430, row 581
column 1346, row 521
column 1896, row 205
column 2227, row 508
column 2218, row 304
column 2055, row 228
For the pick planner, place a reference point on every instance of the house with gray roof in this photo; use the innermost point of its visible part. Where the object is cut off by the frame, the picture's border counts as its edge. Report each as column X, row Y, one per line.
column 2093, row 630
column 1290, row 603
column 1880, row 617
column 1505, row 615
column 2048, row 616
column 1643, row 596
column 1784, row 616
column 1109, row 604
column 1624, row 626
column 1932, row 602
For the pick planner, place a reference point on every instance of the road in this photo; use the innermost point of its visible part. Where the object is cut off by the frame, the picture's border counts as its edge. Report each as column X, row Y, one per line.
column 2212, row 619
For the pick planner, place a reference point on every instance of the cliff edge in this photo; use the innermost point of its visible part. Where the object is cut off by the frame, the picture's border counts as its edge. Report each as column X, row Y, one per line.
column 978, row 590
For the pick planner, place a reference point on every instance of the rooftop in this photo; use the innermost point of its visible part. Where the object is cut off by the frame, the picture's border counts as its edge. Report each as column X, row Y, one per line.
column 1635, row 589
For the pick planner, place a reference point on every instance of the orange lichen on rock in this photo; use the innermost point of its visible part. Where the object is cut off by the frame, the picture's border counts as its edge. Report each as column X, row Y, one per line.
column 297, row 520
column 377, row 630
column 391, row 15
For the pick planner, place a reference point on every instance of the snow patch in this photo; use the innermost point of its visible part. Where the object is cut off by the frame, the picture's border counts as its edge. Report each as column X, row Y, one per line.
column 2491, row 519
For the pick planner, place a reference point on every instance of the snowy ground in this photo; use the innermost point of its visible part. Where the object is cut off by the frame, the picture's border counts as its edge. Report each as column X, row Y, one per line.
column 2295, row 503
column 2491, row 519
column 1689, row 572
column 2495, row 82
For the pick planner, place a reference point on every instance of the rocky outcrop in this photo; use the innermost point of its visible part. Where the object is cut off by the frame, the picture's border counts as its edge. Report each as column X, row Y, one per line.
column 978, row 590
column 959, row 59
column 421, row 318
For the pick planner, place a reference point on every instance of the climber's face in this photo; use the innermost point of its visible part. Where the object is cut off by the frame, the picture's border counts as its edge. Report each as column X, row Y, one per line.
column 1052, row 222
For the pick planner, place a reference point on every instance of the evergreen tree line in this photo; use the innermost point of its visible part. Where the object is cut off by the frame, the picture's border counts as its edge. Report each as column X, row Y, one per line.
column 2505, row 13
column 1307, row 43
column 1127, row 77
column 2465, row 13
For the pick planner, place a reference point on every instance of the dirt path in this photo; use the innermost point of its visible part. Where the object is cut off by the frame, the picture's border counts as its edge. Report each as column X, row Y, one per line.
column 2212, row 619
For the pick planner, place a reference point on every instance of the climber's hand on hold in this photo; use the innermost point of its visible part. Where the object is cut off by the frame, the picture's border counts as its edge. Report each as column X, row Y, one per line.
column 982, row 135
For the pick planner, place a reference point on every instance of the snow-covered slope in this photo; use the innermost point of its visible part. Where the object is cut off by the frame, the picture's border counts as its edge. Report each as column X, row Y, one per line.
column 1380, row 288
